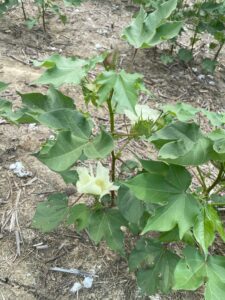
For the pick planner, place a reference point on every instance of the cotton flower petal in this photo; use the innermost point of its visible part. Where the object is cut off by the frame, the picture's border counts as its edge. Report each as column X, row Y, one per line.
column 143, row 112
column 95, row 185
column 102, row 172
column 88, row 188
column 83, row 174
column 146, row 113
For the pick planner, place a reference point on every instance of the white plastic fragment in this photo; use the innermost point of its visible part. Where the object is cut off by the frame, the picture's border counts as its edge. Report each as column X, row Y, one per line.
column 87, row 282
column 32, row 126
column 201, row 76
column 18, row 169
column 98, row 46
column 73, row 271
column 76, row 287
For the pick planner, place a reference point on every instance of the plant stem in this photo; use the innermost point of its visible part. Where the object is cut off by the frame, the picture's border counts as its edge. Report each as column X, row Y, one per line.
column 112, row 129
column 171, row 49
column 118, row 154
column 134, row 55
column 202, row 181
column 132, row 60
column 196, row 28
column 123, row 162
column 78, row 198
column 24, row 12
column 217, row 180
column 194, row 38
column 218, row 51
column 43, row 17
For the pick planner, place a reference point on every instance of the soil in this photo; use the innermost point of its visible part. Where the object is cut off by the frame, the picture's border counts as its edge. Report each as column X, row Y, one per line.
column 93, row 27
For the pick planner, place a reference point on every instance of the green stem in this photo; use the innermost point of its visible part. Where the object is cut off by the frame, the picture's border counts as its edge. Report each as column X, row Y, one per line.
column 118, row 154
column 217, row 180
column 43, row 17
column 196, row 28
column 194, row 38
column 24, row 12
column 218, row 51
column 134, row 55
column 78, row 198
column 202, row 179
column 112, row 129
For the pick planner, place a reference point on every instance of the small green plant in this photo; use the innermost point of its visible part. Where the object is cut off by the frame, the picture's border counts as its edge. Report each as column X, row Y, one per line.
column 150, row 29
column 173, row 200
column 43, row 6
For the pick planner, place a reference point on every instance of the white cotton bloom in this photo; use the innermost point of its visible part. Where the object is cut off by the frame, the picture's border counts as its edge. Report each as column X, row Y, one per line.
column 143, row 112
column 95, row 185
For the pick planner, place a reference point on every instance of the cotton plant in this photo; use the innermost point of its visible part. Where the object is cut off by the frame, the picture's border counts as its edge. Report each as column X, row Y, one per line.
column 156, row 203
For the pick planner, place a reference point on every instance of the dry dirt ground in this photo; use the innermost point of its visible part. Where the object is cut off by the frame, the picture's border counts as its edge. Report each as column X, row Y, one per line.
column 93, row 27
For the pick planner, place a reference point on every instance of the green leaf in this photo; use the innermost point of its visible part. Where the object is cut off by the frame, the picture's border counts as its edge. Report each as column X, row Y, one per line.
column 5, row 107
column 155, row 167
column 183, row 112
column 105, row 224
column 122, row 87
column 39, row 103
column 173, row 235
column 7, row 4
column 19, row 116
column 100, row 146
column 69, row 146
column 70, row 176
column 181, row 210
column 3, row 85
column 62, row 70
column 160, row 277
column 67, row 119
column 218, row 138
column 31, row 22
column 165, row 32
column 130, row 207
column 185, row 55
column 166, row 59
column 129, row 165
column 160, row 187
column 204, row 230
column 215, row 118
column 79, row 215
column 155, row 266
column 137, row 34
column 183, row 144
column 213, row 216
column 209, row 65
column 51, row 213
column 144, row 253
column 192, row 271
